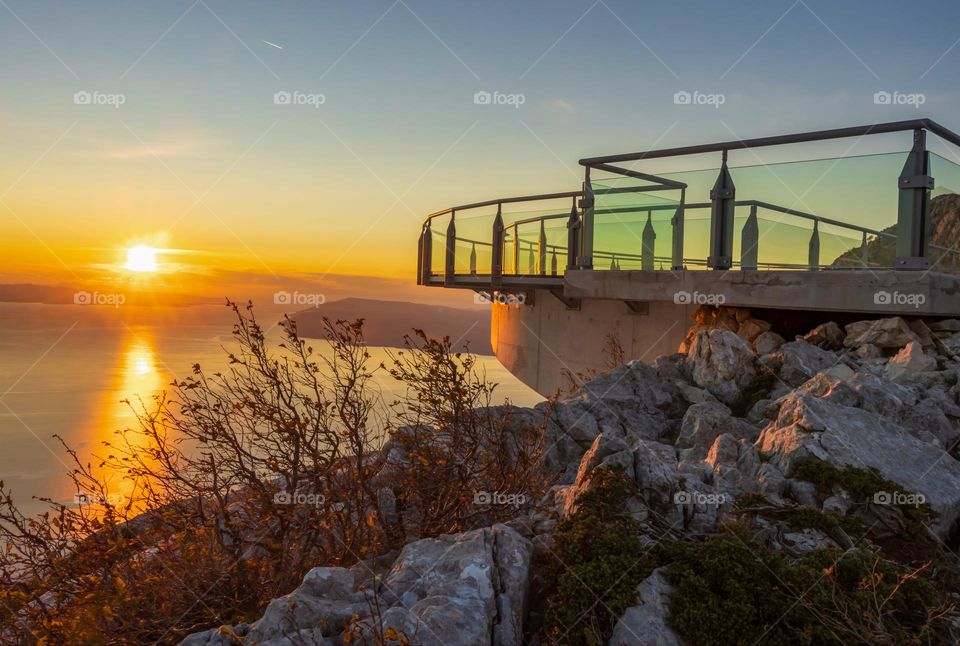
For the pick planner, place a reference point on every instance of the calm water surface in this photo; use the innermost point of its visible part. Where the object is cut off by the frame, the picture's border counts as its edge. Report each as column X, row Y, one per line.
column 65, row 370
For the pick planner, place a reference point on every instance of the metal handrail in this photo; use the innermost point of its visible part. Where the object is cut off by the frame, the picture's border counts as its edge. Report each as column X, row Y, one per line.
column 912, row 250
column 780, row 140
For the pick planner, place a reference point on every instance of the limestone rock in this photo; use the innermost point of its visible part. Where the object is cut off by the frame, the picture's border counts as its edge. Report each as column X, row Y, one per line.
column 890, row 333
column 326, row 600
column 702, row 423
column 646, row 622
column 461, row 589
column 750, row 329
column 795, row 362
column 828, row 336
column 767, row 342
column 722, row 363
column 808, row 427
column 910, row 359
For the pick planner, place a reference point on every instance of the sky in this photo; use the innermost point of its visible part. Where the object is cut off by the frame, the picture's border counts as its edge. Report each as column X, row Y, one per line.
column 160, row 123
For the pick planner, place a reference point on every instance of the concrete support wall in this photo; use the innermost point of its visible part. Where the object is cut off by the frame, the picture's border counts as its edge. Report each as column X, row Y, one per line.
column 537, row 342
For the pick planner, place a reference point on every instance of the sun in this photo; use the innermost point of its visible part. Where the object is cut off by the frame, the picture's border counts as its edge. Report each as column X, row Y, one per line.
column 141, row 258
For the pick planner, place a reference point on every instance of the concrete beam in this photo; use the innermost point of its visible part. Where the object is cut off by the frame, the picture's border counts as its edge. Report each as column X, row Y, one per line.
column 870, row 292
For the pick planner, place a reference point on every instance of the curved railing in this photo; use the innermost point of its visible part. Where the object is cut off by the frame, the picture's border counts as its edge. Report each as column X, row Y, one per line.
column 632, row 220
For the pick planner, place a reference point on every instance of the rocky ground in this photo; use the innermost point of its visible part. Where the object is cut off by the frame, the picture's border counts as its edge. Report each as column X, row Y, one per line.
column 733, row 414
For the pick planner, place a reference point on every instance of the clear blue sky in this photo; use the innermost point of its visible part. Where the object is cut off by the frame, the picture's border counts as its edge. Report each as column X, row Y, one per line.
column 340, row 188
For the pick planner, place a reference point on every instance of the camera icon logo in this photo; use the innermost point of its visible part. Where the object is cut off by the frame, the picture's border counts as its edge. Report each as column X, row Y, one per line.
column 682, row 98
column 682, row 298
column 82, row 97
column 882, row 498
column 882, row 298
column 882, row 98
column 282, row 498
column 282, row 98
column 482, row 98
column 82, row 298
column 282, row 298
column 482, row 498
column 682, row 498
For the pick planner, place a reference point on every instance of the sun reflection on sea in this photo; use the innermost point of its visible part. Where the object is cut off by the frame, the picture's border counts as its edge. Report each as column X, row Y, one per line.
column 136, row 379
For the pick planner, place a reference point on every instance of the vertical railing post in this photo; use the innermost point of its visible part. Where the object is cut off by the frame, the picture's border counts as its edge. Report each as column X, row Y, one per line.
column 427, row 255
column 516, row 249
column 586, row 228
column 749, row 239
column 553, row 262
column 420, row 255
column 542, row 250
column 813, row 252
column 473, row 258
column 723, row 196
column 914, row 206
column 573, row 236
column 648, row 243
column 496, row 253
column 450, row 267
column 864, row 251
column 677, row 223
column 531, row 261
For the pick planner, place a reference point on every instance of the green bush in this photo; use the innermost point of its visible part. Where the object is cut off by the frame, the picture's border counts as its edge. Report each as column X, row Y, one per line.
column 597, row 561
column 732, row 591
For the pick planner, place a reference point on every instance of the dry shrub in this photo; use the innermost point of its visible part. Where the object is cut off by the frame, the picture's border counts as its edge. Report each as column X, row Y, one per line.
column 244, row 479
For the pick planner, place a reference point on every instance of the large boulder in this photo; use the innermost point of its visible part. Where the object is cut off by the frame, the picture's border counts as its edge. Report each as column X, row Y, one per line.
column 454, row 590
column 646, row 622
column 327, row 601
column 889, row 334
column 795, row 362
column 828, row 336
column 723, row 363
column 460, row 590
column 910, row 359
column 809, row 427
column 702, row 423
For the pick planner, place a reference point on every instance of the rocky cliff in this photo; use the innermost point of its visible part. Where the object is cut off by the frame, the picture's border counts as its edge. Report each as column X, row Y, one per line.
column 740, row 425
column 944, row 232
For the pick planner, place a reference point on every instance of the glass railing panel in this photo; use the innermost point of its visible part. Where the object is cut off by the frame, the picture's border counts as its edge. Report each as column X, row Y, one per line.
column 782, row 241
column 944, row 225
column 633, row 228
column 859, row 190
column 438, row 231
column 474, row 249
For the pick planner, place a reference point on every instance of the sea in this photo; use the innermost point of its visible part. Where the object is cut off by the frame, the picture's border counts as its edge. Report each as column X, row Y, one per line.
column 67, row 370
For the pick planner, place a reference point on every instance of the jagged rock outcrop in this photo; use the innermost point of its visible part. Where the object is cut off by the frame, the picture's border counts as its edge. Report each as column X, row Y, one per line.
column 645, row 623
column 732, row 414
column 468, row 588
column 723, row 363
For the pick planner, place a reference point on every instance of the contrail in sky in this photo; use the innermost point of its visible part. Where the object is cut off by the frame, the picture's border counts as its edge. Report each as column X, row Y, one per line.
column 267, row 42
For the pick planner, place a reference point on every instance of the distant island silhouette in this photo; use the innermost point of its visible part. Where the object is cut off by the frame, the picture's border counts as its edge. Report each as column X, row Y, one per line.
column 386, row 322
